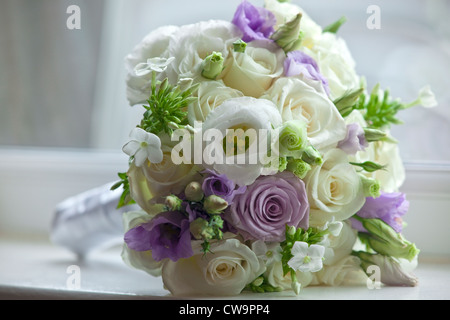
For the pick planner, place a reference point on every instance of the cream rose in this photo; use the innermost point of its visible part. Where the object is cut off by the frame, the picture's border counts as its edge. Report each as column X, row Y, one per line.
column 296, row 100
column 141, row 260
column 225, row 272
column 210, row 95
column 334, row 189
column 275, row 277
column 159, row 179
column 335, row 62
column 346, row 271
column 253, row 71
column 340, row 246
column 153, row 45
column 193, row 43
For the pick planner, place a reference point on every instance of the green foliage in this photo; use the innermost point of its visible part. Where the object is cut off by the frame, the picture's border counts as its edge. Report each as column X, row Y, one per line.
column 167, row 107
column 125, row 198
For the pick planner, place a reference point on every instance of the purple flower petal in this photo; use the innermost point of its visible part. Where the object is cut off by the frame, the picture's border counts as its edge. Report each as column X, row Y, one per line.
column 299, row 63
column 255, row 23
column 354, row 141
column 167, row 235
column 389, row 207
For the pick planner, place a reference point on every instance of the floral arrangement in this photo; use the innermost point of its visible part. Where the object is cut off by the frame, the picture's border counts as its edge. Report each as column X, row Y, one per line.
column 261, row 162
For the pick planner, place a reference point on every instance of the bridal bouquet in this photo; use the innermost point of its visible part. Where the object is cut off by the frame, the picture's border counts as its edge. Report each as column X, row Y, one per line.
column 261, row 161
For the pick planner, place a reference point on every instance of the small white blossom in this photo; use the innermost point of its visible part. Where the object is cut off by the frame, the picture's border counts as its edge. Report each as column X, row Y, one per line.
column 306, row 258
column 156, row 64
column 427, row 98
column 143, row 145
column 268, row 252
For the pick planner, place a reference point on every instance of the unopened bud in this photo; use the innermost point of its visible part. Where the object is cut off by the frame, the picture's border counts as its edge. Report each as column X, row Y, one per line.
column 213, row 65
column 239, row 46
column 214, row 204
column 312, row 156
column 288, row 35
column 371, row 186
column 194, row 192
column 385, row 240
column 173, row 203
column 298, row 167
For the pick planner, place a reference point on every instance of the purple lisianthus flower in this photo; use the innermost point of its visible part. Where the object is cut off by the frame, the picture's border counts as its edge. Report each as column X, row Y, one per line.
column 167, row 235
column 355, row 139
column 221, row 186
column 389, row 207
column 256, row 23
column 268, row 205
column 299, row 63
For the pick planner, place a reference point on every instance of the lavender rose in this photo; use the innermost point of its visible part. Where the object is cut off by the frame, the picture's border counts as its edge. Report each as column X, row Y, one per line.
column 268, row 205
column 167, row 235
column 256, row 23
column 389, row 207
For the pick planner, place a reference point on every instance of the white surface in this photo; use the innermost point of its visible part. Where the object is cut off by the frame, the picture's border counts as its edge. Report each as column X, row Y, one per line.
column 35, row 269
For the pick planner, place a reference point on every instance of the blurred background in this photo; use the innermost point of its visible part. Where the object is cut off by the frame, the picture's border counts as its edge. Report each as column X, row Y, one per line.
column 64, row 115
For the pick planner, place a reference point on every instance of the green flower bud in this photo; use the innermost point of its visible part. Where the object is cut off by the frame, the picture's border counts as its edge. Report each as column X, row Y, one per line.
column 173, row 203
column 258, row 281
column 194, row 192
column 385, row 240
column 369, row 166
column 293, row 138
column 312, row 156
column 288, row 35
column 239, row 46
column 214, row 204
column 198, row 229
column 334, row 27
column 298, row 167
column 213, row 65
column 372, row 135
column 345, row 103
column 371, row 186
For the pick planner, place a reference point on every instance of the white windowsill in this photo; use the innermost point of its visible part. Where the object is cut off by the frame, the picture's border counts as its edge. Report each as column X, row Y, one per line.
column 36, row 269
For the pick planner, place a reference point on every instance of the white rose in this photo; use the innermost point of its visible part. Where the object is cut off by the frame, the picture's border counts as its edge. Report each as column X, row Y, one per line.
column 225, row 272
column 141, row 260
column 285, row 11
column 340, row 246
column 296, row 100
column 159, row 179
column 250, row 115
column 253, row 71
column 210, row 95
column 193, row 43
column 346, row 271
column 334, row 189
column 275, row 277
column 153, row 45
column 335, row 63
